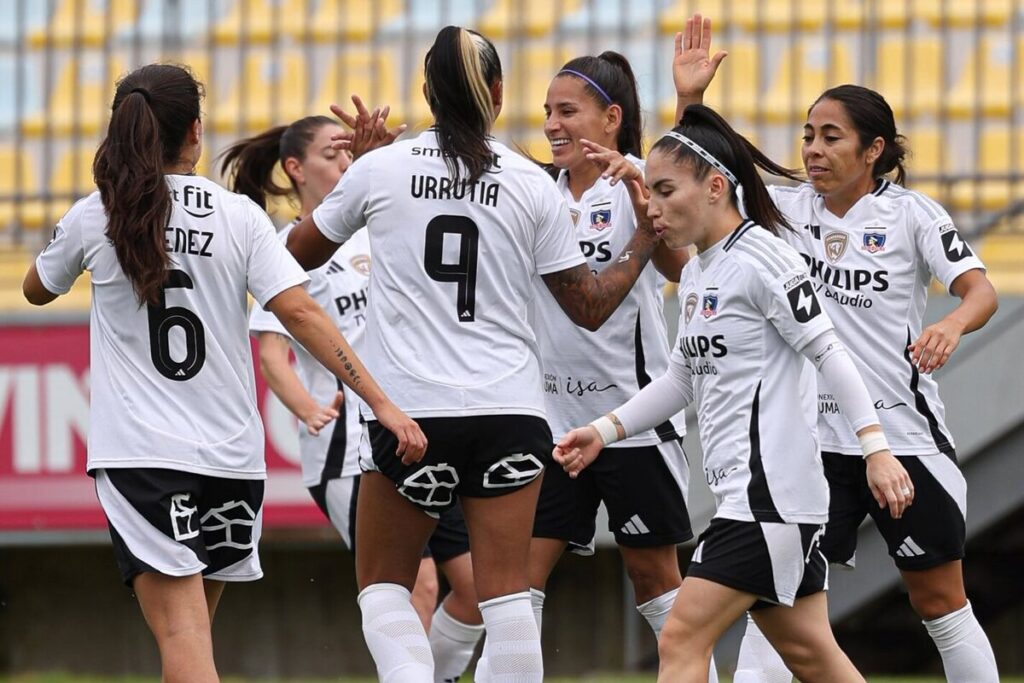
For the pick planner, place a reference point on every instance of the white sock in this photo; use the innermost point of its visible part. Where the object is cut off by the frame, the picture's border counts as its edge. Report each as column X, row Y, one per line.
column 537, row 603
column 481, row 674
column 513, row 642
column 964, row 647
column 656, row 610
column 394, row 635
column 758, row 662
column 452, row 643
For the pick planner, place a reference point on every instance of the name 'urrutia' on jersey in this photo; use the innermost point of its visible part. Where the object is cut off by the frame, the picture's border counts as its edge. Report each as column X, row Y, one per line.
column 175, row 440
column 462, row 228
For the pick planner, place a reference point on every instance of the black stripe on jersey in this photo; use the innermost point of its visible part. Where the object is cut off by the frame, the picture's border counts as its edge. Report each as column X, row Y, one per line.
column 882, row 186
column 942, row 443
column 666, row 431
column 338, row 446
column 760, row 497
column 738, row 233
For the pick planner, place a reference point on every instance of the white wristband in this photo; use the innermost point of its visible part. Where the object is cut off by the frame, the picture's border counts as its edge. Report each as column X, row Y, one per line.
column 606, row 429
column 872, row 442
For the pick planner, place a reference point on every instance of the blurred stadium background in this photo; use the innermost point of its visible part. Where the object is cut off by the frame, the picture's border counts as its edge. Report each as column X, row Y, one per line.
column 952, row 69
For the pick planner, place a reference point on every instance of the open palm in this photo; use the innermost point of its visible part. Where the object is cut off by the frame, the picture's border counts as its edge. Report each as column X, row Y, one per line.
column 693, row 67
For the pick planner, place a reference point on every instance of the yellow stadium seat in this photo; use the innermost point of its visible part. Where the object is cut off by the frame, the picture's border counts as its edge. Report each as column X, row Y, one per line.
column 85, row 22
column 779, row 15
column 673, row 18
column 273, row 88
column 18, row 178
column 1002, row 252
column 915, row 88
column 995, row 149
column 989, row 95
column 346, row 19
column 362, row 73
column 81, row 97
column 930, row 158
column 14, row 261
column 71, row 179
column 261, row 21
column 525, row 17
column 734, row 92
column 965, row 12
column 804, row 71
column 526, row 82
column 533, row 145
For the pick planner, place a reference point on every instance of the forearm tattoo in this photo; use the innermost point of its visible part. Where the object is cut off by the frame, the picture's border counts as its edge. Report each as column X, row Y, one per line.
column 355, row 379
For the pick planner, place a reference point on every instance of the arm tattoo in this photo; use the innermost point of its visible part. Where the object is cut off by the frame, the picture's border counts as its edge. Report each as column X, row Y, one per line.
column 354, row 376
column 588, row 299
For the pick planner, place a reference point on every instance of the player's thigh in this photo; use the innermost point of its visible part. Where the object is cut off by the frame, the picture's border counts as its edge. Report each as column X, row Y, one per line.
column 702, row 612
column 391, row 534
column 173, row 604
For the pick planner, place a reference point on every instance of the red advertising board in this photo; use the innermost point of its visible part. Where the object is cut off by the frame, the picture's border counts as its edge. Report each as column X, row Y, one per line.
column 44, row 422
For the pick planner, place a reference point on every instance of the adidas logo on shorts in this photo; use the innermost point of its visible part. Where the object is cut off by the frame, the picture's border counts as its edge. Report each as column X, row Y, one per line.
column 634, row 527
column 909, row 549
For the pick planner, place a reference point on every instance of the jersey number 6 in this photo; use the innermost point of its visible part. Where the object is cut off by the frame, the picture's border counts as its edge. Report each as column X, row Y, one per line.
column 463, row 271
column 162, row 319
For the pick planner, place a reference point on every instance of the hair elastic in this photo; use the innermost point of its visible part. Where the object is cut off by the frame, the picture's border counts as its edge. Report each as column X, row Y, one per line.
column 589, row 80
column 144, row 93
column 704, row 154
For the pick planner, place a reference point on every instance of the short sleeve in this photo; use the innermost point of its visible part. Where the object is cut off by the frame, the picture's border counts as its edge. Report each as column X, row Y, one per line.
column 270, row 269
column 939, row 244
column 790, row 303
column 343, row 211
column 554, row 248
column 63, row 259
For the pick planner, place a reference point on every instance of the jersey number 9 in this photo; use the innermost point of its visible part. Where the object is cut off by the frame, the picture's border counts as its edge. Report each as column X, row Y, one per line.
column 162, row 319
column 463, row 271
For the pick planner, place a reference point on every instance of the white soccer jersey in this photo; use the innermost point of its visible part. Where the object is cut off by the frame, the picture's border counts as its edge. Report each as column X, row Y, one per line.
column 172, row 386
column 872, row 269
column 340, row 287
column 447, row 335
column 748, row 308
column 587, row 374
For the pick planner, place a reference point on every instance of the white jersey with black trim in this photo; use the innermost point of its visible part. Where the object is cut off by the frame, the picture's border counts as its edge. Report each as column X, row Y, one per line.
column 172, row 386
column 747, row 309
column 587, row 374
column 454, row 268
column 340, row 287
column 871, row 270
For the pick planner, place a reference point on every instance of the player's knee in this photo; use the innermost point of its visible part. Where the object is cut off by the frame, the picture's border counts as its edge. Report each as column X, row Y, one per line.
column 936, row 604
column 802, row 658
column 680, row 638
column 651, row 577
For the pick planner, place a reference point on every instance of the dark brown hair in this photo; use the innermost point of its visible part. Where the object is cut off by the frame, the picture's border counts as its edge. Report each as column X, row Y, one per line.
column 154, row 108
column 460, row 68
column 250, row 162
column 872, row 118
column 709, row 130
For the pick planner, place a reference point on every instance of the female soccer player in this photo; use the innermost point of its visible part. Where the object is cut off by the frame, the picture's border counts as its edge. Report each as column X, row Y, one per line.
column 642, row 480
column 461, row 227
column 873, row 247
column 330, row 460
column 750, row 317
column 176, row 441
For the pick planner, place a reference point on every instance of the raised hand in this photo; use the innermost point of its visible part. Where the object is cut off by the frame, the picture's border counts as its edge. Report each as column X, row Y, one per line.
column 369, row 128
column 693, row 67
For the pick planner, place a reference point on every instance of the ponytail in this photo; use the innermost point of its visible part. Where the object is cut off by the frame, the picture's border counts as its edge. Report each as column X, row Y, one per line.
column 714, row 134
column 249, row 163
column 460, row 68
column 154, row 108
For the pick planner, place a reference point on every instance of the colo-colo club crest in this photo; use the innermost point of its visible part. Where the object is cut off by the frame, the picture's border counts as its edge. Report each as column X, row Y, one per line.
column 835, row 245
